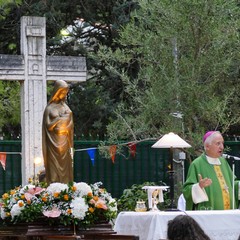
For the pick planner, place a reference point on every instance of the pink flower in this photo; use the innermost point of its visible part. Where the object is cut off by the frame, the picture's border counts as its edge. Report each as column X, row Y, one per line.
column 92, row 201
column 54, row 213
column 101, row 204
column 32, row 192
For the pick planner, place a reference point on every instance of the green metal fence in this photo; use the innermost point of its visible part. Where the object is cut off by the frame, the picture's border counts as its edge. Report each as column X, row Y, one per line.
column 149, row 164
column 11, row 176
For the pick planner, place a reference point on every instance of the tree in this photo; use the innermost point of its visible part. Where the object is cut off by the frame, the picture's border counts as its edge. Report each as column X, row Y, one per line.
column 179, row 66
column 10, row 110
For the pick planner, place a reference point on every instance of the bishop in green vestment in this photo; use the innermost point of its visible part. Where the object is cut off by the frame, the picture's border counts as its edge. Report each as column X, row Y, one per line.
column 209, row 183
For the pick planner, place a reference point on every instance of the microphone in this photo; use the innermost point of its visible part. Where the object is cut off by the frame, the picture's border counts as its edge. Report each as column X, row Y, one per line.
column 231, row 157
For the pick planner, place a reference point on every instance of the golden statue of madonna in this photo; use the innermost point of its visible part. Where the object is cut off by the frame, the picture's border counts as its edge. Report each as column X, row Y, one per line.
column 57, row 136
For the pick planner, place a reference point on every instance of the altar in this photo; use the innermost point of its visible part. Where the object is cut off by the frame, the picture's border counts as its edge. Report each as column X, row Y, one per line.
column 152, row 225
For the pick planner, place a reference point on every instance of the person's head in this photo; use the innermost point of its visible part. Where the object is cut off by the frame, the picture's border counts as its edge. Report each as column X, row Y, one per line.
column 184, row 227
column 213, row 144
column 60, row 91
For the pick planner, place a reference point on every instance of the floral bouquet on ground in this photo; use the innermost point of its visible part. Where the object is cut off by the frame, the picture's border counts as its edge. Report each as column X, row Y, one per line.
column 67, row 204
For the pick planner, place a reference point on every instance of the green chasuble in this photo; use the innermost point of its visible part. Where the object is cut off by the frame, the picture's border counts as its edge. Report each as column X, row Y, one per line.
column 215, row 191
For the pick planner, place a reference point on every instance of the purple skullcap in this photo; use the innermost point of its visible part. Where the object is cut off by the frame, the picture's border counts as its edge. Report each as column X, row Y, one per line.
column 207, row 134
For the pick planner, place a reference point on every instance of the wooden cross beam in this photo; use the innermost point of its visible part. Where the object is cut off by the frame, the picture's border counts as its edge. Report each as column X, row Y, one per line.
column 33, row 68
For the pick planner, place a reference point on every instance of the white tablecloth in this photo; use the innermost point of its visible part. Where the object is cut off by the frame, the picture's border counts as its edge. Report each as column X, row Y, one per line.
column 219, row 225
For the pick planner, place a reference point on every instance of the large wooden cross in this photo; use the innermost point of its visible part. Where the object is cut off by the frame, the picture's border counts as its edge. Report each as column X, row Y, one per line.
column 33, row 68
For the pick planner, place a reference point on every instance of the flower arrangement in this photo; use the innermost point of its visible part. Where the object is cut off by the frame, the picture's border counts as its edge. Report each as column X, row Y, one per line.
column 73, row 203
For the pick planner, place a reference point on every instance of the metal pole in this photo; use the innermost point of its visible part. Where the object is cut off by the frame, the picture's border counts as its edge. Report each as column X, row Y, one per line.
column 233, row 193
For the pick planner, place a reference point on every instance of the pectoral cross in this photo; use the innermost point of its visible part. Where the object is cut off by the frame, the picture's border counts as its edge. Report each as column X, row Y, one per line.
column 226, row 188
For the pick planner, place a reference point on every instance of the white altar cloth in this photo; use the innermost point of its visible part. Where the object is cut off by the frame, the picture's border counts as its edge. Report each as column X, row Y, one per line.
column 219, row 225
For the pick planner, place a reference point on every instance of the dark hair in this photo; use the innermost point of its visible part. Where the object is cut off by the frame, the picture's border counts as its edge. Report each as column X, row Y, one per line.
column 184, row 227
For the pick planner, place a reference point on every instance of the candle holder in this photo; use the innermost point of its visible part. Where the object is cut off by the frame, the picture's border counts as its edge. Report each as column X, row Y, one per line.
column 141, row 206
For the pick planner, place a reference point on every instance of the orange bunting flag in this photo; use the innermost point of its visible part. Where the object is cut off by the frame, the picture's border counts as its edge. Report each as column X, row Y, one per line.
column 132, row 148
column 3, row 157
column 112, row 152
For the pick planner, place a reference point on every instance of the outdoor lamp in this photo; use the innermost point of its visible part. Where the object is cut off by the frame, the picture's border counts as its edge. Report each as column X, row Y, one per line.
column 171, row 141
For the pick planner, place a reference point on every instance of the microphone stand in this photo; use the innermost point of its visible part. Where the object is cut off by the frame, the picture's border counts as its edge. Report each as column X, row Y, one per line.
column 233, row 175
column 233, row 178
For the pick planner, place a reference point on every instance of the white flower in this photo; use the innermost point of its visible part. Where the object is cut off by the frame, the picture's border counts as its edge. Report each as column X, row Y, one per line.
column 17, row 208
column 82, row 189
column 57, row 187
column 95, row 187
column 112, row 205
column 3, row 213
column 12, row 201
column 79, row 208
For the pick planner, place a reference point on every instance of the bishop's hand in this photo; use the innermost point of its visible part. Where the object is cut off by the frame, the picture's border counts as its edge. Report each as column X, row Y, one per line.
column 204, row 182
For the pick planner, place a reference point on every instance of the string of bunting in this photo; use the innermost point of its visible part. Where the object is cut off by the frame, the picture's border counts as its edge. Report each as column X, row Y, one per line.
column 132, row 146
